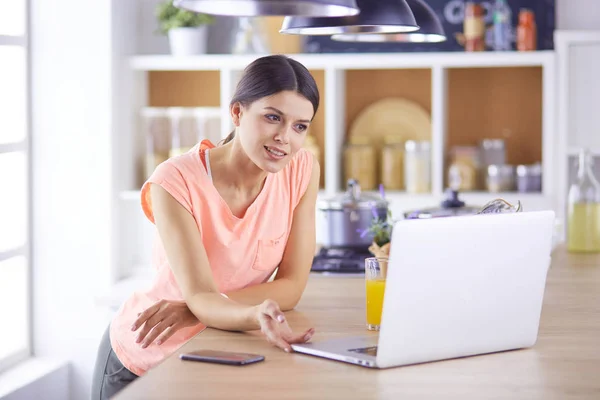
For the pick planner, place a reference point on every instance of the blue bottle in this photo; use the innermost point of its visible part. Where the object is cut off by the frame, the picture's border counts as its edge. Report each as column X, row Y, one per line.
column 502, row 26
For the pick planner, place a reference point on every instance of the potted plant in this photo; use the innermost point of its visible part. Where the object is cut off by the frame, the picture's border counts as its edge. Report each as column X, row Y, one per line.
column 187, row 31
column 381, row 231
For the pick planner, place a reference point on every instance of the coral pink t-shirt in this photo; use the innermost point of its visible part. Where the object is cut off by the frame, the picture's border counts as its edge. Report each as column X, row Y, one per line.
column 241, row 251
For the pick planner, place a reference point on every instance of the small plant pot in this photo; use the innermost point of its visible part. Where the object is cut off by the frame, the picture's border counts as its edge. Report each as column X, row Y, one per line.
column 380, row 251
column 188, row 41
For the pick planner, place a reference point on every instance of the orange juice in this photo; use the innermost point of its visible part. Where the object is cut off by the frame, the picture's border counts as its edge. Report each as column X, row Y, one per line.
column 375, row 291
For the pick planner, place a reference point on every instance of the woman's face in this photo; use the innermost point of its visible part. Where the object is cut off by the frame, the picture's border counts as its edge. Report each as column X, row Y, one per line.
column 271, row 130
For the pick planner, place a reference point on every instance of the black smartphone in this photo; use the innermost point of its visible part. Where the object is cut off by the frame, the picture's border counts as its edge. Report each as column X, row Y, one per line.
column 222, row 357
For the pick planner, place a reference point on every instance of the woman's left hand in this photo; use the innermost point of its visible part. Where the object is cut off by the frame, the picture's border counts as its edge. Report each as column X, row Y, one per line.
column 161, row 320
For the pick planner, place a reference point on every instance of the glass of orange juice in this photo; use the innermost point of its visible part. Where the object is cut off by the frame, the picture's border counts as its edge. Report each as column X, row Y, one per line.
column 375, row 274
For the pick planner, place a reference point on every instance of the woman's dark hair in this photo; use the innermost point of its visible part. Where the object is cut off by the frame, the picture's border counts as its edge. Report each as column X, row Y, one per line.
column 272, row 74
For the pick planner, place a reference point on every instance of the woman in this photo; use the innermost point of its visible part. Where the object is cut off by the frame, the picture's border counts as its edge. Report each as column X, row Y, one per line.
column 227, row 217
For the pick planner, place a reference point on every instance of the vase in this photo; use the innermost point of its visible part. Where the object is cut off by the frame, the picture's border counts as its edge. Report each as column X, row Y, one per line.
column 380, row 251
column 188, row 41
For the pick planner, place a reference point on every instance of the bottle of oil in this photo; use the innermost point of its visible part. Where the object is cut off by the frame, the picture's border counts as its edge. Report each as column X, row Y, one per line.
column 583, row 224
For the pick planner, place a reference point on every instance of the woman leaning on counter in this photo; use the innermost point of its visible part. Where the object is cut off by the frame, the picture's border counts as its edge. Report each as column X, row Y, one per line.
column 227, row 216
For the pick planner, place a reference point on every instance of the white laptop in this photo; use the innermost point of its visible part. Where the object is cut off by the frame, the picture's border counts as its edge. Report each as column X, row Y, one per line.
column 456, row 287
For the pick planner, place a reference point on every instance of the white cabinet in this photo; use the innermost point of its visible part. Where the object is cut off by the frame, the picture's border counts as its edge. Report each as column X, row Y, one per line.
column 578, row 97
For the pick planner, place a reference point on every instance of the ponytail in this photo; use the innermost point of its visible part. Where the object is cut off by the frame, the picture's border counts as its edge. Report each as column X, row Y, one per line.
column 228, row 139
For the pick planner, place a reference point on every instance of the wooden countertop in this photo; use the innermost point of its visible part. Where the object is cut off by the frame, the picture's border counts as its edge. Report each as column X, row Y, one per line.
column 564, row 364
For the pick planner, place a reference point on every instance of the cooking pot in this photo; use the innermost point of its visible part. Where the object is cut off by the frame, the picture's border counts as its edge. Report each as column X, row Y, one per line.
column 347, row 215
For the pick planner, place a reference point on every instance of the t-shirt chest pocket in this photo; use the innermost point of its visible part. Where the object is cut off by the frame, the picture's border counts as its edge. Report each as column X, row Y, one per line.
column 270, row 252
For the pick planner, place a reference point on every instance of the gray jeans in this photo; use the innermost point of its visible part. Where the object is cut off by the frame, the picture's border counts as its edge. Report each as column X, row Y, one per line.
column 110, row 376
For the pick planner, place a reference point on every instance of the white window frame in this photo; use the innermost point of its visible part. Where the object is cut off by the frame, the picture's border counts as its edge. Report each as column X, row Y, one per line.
column 25, row 147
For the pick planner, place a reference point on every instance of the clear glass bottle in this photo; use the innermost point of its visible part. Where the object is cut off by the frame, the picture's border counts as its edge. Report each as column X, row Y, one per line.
column 583, row 221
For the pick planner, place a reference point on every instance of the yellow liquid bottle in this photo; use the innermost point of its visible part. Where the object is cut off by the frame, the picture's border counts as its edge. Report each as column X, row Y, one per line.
column 583, row 223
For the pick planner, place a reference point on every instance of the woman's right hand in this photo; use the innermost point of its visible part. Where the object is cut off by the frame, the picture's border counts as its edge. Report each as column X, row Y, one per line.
column 274, row 326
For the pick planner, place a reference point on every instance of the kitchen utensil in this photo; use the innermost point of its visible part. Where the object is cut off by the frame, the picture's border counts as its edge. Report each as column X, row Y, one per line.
column 347, row 215
column 500, row 206
column 392, row 116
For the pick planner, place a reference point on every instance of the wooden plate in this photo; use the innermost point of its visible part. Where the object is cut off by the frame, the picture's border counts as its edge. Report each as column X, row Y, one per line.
column 393, row 116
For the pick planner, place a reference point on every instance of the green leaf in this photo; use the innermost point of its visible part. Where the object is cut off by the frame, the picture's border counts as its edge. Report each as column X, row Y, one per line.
column 170, row 17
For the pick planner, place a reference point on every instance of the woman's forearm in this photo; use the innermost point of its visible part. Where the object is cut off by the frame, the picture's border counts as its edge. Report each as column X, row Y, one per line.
column 216, row 311
column 285, row 292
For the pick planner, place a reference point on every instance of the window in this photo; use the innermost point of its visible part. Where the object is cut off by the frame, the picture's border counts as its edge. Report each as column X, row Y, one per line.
column 15, row 271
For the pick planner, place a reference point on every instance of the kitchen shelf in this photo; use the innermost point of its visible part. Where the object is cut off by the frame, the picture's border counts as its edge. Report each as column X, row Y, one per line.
column 348, row 83
column 215, row 62
column 574, row 151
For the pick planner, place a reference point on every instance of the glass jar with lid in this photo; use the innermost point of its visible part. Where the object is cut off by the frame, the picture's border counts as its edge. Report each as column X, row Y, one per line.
column 462, row 173
column 184, row 129
column 156, row 130
column 360, row 162
column 529, row 178
column 310, row 144
column 417, row 166
column 207, row 125
column 392, row 163
column 500, row 178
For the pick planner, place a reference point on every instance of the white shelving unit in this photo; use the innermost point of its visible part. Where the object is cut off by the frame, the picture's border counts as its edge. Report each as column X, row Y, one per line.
column 335, row 67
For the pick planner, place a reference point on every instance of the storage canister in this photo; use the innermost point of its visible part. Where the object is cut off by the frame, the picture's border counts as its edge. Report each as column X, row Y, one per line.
column 417, row 166
column 310, row 144
column 529, row 178
column 207, row 124
column 392, row 163
column 360, row 163
column 462, row 173
column 500, row 178
column 156, row 131
column 184, row 129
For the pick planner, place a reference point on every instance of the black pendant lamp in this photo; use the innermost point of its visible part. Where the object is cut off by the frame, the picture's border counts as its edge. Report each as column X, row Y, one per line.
column 430, row 29
column 376, row 16
column 254, row 8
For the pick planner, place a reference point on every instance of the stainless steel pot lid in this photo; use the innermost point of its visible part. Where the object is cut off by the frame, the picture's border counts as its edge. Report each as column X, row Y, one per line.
column 353, row 198
column 451, row 206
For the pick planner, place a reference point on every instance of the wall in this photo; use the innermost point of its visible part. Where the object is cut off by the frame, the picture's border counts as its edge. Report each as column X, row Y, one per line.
column 71, row 150
column 577, row 14
column 50, row 386
column 73, row 78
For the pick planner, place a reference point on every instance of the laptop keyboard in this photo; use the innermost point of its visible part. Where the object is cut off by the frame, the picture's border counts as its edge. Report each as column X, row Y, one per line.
column 372, row 351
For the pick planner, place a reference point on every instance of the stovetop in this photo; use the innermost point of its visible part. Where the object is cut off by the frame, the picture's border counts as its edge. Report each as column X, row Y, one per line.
column 341, row 260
